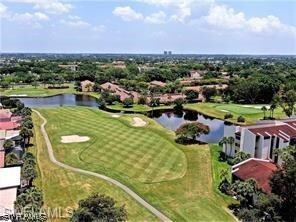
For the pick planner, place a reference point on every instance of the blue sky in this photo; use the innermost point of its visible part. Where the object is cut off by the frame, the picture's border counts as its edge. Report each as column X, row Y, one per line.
column 149, row 26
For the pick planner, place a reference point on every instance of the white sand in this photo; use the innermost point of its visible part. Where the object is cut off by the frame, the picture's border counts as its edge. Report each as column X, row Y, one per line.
column 256, row 107
column 18, row 95
column 115, row 116
column 138, row 122
column 74, row 139
column 223, row 110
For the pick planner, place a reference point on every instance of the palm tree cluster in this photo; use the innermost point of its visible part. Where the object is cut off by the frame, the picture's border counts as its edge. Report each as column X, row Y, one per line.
column 227, row 141
column 271, row 109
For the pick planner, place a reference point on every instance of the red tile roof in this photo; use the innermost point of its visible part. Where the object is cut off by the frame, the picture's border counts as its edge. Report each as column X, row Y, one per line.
column 5, row 114
column 8, row 125
column 258, row 170
column 279, row 130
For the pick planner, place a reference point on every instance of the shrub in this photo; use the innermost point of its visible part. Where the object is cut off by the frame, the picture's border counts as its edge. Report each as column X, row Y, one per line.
column 228, row 116
column 241, row 119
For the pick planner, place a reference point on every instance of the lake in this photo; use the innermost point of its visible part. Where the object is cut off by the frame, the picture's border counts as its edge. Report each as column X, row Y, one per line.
column 169, row 119
column 173, row 120
column 60, row 100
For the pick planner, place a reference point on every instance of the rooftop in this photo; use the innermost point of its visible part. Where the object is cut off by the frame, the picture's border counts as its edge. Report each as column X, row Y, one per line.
column 10, row 177
column 257, row 169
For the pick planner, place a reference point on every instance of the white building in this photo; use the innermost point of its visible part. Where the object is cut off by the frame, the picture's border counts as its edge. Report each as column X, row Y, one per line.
column 261, row 140
column 10, row 180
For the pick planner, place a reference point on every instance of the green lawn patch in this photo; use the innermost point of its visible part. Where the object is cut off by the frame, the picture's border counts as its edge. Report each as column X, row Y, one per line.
column 39, row 91
column 252, row 113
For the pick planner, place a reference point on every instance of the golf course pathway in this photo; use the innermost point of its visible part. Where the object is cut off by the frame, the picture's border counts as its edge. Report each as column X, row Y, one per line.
column 52, row 158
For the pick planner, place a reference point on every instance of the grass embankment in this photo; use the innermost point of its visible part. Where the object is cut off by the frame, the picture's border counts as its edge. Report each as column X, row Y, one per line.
column 252, row 113
column 39, row 91
column 137, row 108
column 63, row 188
column 173, row 178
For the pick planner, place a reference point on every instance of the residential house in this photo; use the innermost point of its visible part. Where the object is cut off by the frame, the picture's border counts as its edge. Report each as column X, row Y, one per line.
column 122, row 93
column 72, row 67
column 87, row 86
column 10, row 180
column 8, row 121
column 157, row 84
column 197, row 74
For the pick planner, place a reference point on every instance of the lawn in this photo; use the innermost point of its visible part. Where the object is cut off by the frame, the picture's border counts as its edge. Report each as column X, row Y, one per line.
column 39, row 91
column 173, row 178
column 63, row 188
column 252, row 113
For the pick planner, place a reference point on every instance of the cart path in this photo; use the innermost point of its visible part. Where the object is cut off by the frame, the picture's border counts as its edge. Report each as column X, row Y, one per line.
column 126, row 189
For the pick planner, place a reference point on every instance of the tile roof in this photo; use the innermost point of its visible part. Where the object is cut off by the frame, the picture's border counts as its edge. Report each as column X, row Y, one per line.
column 9, row 125
column 283, row 131
column 259, row 170
column 5, row 114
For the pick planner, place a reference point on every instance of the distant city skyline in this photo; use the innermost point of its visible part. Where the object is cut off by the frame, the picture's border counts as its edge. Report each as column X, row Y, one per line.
column 149, row 26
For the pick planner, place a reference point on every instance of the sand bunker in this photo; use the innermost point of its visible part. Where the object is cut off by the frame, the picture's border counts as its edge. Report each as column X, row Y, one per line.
column 138, row 122
column 223, row 110
column 115, row 116
column 256, row 107
column 74, row 139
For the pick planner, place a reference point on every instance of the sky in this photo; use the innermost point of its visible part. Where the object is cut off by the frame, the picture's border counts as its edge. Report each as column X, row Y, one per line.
column 149, row 26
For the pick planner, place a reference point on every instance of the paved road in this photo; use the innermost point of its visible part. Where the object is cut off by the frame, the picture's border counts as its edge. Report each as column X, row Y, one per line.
column 52, row 158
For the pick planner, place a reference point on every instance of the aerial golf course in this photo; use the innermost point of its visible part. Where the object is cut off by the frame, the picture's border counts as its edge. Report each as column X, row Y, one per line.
column 180, row 181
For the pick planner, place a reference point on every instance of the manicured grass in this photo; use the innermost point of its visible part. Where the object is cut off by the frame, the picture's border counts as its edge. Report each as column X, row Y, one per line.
column 40, row 91
column 252, row 113
column 63, row 188
column 175, row 179
column 118, row 148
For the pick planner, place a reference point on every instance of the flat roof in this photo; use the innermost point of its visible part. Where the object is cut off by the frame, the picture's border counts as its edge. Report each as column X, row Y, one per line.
column 10, row 177
column 7, row 199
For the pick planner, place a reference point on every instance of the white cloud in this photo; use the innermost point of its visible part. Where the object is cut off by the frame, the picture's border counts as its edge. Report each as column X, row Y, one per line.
column 48, row 6
column 99, row 28
column 126, row 13
column 156, row 18
column 183, row 9
column 76, row 22
column 29, row 17
column 3, row 10
column 224, row 17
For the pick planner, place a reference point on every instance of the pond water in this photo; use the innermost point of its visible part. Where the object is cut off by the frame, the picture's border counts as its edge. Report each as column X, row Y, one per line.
column 169, row 119
column 61, row 100
column 173, row 120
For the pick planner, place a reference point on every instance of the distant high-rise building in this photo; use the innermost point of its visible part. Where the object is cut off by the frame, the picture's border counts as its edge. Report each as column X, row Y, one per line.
column 165, row 52
column 169, row 52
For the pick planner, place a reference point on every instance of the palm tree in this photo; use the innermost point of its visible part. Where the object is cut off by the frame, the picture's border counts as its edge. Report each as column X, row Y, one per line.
column 11, row 159
column 272, row 108
column 264, row 109
column 8, row 145
column 231, row 142
column 224, row 141
column 26, row 134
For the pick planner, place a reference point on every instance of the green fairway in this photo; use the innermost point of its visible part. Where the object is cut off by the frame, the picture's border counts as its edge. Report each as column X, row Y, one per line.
column 114, row 147
column 252, row 113
column 63, row 188
column 173, row 178
column 32, row 91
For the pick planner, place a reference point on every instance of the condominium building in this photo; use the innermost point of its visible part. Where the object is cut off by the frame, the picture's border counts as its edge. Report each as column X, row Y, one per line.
column 261, row 140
